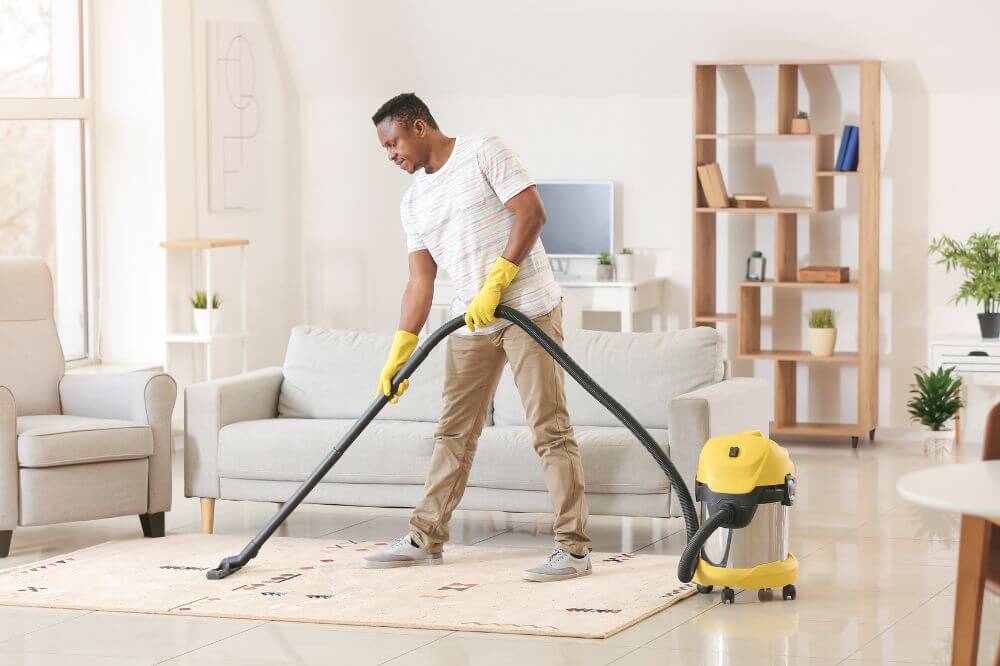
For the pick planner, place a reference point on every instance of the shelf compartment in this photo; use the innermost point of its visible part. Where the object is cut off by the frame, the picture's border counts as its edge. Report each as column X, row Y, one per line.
column 788, row 209
column 795, row 284
column 715, row 318
column 818, row 428
column 845, row 358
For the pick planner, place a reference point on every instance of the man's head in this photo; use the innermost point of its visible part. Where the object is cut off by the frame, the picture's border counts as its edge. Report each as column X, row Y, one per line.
column 406, row 129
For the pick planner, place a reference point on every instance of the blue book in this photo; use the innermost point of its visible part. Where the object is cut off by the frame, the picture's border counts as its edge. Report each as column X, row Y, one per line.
column 845, row 135
column 851, row 156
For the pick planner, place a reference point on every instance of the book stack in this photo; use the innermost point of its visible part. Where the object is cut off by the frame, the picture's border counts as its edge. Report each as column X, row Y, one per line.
column 750, row 201
column 847, row 156
column 710, row 177
column 824, row 274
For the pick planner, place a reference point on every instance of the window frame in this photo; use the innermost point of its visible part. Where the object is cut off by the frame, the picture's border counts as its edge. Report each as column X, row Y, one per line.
column 81, row 109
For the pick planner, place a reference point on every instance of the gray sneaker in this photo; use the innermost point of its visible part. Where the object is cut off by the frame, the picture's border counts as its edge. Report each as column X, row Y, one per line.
column 560, row 565
column 400, row 553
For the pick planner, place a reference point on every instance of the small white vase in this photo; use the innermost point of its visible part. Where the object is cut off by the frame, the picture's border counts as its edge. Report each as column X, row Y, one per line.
column 201, row 320
column 623, row 267
column 939, row 445
column 822, row 341
column 605, row 272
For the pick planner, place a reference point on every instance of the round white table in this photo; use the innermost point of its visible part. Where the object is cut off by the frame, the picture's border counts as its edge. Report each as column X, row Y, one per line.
column 969, row 488
column 973, row 490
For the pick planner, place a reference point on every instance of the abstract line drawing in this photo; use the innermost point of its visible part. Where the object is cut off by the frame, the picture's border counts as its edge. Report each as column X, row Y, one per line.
column 234, row 115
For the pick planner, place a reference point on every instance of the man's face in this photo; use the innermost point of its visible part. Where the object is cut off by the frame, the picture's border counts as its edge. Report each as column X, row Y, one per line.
column 405, row 145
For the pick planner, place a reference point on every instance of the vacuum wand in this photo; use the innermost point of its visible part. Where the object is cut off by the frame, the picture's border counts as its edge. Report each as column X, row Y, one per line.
column 234, row 563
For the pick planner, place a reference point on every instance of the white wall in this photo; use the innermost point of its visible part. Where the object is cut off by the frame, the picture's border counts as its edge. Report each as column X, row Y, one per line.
column 603, row 90
column 273, row 256
column 129, row 180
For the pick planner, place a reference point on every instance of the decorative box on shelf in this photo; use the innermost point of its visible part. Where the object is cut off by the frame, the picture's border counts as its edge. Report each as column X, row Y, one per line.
column 824, row 274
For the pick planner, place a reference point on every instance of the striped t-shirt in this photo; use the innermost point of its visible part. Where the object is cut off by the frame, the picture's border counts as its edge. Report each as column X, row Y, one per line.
column 457, row 214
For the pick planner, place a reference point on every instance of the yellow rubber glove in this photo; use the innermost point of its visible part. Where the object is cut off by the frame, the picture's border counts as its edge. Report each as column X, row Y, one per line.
column 403, row 345
column 481, row 309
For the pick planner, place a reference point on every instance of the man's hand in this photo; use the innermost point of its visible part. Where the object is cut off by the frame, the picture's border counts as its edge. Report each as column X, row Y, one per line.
column 480, row 311
column 403, row 345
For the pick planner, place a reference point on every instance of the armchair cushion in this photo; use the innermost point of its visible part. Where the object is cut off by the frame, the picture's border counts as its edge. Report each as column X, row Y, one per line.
column 50, row 441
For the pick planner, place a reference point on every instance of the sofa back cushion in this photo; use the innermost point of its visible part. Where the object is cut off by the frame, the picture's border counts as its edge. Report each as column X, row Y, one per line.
column 333, row 374
column 31, row 357
column 642, row 371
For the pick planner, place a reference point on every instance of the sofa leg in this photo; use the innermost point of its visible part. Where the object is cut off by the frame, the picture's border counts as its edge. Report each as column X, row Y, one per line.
column 207, row 515
column 5, row 538
column 152, row 524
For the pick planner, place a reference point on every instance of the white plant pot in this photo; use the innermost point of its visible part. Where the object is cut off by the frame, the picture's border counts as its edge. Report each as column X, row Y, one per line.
column 623, row 267
column 201, row 320
column 605, row 272
column 822, row 341
column 939, row 444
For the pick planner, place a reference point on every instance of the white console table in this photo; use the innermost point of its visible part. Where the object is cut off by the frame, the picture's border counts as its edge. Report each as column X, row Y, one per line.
column 579, row 296
column 975, row 359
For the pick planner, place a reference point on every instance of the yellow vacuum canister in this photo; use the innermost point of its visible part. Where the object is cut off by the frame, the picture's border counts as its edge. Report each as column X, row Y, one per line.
column 746, row 486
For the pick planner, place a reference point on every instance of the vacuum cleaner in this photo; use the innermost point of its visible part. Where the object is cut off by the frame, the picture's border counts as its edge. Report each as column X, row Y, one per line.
column 745, row 484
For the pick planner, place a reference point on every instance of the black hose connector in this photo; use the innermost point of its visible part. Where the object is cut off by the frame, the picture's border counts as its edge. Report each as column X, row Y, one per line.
column 688, row 563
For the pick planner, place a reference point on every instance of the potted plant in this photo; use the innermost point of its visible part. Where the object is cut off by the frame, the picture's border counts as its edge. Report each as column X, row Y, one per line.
column 935, row 400
column 979, row 258
column 822, row 334
column 800, row 122
column 623, row 265
column 199, row 305
column 604, row 266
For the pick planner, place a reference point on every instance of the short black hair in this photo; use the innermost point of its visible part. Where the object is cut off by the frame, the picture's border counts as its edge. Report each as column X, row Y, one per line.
column 405, row 108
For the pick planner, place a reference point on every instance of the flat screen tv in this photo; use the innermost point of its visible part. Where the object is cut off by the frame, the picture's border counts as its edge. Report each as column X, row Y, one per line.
column 580, row 217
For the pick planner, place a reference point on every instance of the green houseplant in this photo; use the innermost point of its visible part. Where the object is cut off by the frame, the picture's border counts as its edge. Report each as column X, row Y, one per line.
column 199, row 307
column 979, row 259
column 623, row 265
column 822, row 332
column 935, row 398
column 604, row 266
column 800, row 122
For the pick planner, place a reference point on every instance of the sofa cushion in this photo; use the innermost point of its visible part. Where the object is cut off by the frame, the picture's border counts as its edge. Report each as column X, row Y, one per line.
column 642, row 371
column 332, row 374
column 53, row 440
column 399, row 452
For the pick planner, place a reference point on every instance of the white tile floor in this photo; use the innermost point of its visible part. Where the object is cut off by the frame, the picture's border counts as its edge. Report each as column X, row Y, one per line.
column 877, row 586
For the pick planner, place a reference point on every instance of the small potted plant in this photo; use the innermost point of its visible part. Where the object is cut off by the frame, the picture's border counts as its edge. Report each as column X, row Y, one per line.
column 623, row 265
column 800, row 122
column 604, row 266
column 935, row 399
column 822, row 333
column 199, row 305
column 979, row 259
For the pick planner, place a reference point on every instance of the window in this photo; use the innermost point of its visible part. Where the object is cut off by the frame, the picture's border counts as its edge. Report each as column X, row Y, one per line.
column 45, row 124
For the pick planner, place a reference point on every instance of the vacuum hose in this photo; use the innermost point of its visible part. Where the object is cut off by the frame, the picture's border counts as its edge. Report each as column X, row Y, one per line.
column 692, row 552
column 234, row 563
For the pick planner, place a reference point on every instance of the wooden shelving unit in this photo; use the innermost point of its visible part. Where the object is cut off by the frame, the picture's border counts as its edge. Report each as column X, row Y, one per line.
column 747, row 317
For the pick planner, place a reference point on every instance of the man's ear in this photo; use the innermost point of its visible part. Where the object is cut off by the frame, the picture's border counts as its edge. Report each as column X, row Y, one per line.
column 420, row 127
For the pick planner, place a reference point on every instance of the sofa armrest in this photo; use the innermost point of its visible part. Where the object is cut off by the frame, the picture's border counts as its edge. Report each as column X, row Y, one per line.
column 732, row 405
column 141, row 397
column 211, row 406
column 8, row 461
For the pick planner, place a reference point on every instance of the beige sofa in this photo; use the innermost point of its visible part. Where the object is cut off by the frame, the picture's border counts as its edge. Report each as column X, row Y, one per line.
column 73, row 447
column 257, row 436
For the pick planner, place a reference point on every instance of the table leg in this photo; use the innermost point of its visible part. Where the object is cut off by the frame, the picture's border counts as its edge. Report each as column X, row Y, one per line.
column 973, row 551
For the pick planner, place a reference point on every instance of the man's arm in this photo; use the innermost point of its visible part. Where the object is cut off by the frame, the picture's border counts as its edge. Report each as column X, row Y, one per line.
column 419, row 292
column 529, row 216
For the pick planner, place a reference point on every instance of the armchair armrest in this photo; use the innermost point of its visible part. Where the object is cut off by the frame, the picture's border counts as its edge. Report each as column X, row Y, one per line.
column 142, row 397
column 211, row 406
column 732, row 405
column 8, row 461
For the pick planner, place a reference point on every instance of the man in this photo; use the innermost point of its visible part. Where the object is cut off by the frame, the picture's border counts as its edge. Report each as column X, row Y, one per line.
column 474, row 210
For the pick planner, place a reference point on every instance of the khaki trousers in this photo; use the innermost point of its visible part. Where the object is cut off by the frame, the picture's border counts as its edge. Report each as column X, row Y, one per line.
column 472, row 371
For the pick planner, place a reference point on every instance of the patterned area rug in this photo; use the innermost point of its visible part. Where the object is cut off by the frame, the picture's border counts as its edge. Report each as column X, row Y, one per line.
column 321, row 580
